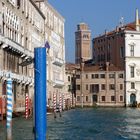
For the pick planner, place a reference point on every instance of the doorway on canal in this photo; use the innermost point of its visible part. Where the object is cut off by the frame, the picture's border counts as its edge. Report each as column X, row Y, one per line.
column 94, row 99
column 133, row 101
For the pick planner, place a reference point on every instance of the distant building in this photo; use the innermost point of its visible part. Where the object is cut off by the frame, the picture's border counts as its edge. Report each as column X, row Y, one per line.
column 109, row 47
column 70, row 85
column 120, row 48
column 82, row 43
column 98, row 86
column 21, row 30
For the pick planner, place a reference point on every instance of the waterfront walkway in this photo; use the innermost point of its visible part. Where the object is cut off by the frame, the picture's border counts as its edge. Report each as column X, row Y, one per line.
column 83, row 124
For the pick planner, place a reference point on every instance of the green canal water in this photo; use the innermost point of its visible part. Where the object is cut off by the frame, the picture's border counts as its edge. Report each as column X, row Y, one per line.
column 83, row 124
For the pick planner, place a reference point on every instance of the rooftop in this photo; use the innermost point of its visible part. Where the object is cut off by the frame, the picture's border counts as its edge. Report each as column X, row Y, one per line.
column 129, row 27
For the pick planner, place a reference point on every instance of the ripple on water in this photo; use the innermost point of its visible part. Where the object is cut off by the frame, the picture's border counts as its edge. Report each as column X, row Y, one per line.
column 83, row 124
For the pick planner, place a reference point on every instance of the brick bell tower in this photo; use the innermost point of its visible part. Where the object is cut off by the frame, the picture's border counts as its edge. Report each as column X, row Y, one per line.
column 82, row 43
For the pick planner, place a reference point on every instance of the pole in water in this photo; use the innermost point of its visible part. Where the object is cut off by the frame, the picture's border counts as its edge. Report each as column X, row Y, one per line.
column 60, row 105
column 1, row 109
column 63, row 101
column 9, row 110
column 54, row 104
column 26, row 106
column 40, row 94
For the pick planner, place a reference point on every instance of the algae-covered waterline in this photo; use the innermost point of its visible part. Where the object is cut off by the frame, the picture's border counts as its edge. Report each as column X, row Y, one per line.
column 83, row 124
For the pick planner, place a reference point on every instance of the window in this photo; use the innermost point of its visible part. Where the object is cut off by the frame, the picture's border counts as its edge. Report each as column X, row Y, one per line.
column 101, row 57
column 103, row 86
column 77, row 87
column 120, row 75
column 68, row 78
column 69, row 87
column 121, row 52
column 109, row 47
column 94, row 88
column 86, row 98
column 112, row 98
column 132, row 85
column 98, row 58
column 86, row 76
column 121, row 86
column 18, row 3
column 111, row 75
column 92, row 76
column 96, row 76
column 86, row 87
column 108, row 56
column 122, row 34
column 112, row 87
column 78, row 98
column 77, row 76
column 132, row 71
column 85, row 36
column 103, row 98
column 26, row 42
column 131, row 50
column 121, row 98
column 102, row 75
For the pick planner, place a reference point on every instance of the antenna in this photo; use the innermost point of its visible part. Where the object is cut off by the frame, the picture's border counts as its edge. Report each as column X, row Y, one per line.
column 121, row 21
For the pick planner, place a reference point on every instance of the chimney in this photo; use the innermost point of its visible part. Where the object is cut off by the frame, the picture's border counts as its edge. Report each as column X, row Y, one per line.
column 105, row 31
column 137, row 20
column 117, row 28
column 107, row 66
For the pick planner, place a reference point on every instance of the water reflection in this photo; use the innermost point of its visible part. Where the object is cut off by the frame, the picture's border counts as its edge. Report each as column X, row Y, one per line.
column 130, row 127
column 97, row 124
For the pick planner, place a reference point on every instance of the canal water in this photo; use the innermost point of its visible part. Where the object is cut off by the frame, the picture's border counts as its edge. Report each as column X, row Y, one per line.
column 83, row 124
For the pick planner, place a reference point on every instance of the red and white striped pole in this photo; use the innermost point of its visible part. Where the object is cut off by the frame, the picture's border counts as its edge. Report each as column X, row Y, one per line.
column 54, row 104
column 60, row 104
column 1, row 106
column 71, row 100
column 26, row 106
column 64, row 104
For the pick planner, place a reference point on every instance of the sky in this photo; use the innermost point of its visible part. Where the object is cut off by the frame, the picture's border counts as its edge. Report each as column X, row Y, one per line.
column 100, row 15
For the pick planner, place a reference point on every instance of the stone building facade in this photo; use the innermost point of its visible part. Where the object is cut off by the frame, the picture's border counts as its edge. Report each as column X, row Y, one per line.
column 132, row 67
column 132, row 64
column 96, row 86
column 21, row 30
column 70, row 85
column 54, row 34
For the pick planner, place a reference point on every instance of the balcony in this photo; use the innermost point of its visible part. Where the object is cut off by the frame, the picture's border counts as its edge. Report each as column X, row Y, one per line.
column 16, row 77
column 58, row 83
column 132, row 90
column 58, row 61
column 10, row 45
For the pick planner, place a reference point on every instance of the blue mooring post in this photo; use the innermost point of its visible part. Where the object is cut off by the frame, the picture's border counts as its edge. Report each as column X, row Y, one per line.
column 9, row 110
column 40, row 94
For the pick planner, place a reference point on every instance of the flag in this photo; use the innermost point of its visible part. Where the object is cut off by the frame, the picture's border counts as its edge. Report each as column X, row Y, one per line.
column 47, row 45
